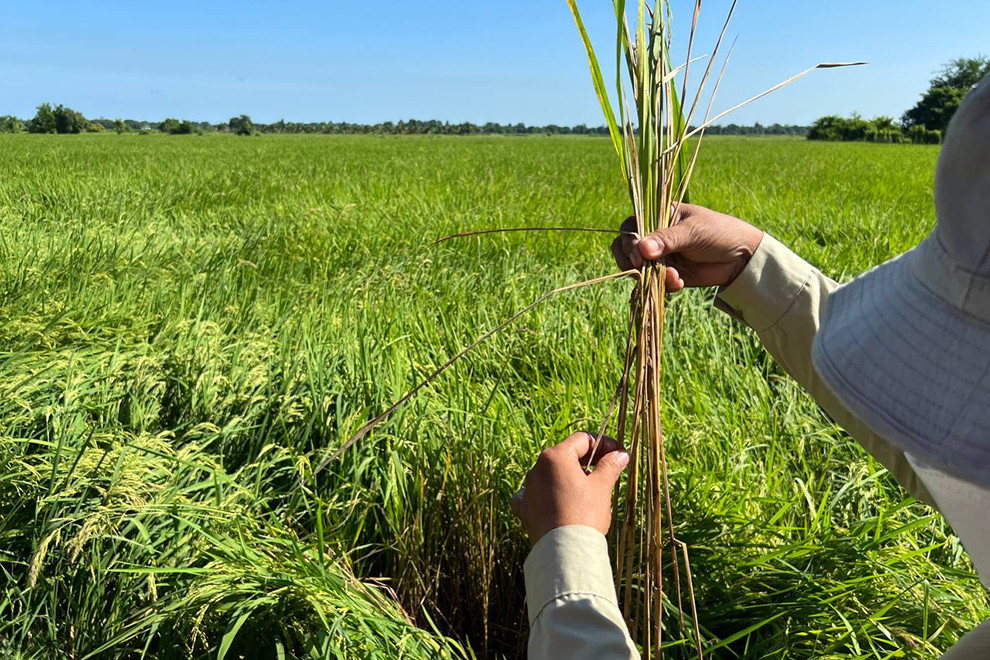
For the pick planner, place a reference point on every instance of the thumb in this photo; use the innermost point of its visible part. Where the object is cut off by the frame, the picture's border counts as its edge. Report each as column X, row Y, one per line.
column 609, row 468
column 516, row 503
column 666, row 241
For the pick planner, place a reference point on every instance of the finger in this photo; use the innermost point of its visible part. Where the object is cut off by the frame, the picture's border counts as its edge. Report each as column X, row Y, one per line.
column 668, row 240
column 680, row 212
column 517, row 501
column 577, row 444
column 629, row 243
column 629, row 224
column 594, row 454
column 672, row 280
column 629, row 235
column 621, row 254
column 609, row 468
column 635, row 256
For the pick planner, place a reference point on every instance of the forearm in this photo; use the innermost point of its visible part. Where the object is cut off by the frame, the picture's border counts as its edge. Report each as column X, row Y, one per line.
column 782, row 297
column 573, row 610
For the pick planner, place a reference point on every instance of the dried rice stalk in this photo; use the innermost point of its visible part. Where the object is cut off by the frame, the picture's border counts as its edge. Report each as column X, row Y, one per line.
column 655, row 166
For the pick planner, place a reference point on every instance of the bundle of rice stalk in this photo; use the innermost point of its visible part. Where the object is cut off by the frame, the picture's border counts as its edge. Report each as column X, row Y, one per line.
column 655, row 166
column 656, row 163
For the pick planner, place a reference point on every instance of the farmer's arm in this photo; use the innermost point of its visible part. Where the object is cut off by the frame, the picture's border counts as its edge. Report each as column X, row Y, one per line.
column 772, row 290
column 782, row 298
column 573, row 611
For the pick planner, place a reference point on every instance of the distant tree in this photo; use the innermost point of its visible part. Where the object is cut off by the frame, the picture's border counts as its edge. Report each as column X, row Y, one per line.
column 241, row 125
column 173, row 126
column 921, row 135
column 855, row 128
column 46, row 121
column 43, row 121
column 946, row 92
column 964, row 73
column 10, row 124
column 884, row 123
column 68, row 120
column 935, row 109
column 884, row 129
column 830, row 128
column 94, row 127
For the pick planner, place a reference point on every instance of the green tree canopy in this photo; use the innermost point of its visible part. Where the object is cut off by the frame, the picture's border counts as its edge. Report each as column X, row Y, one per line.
column 43, row 121
column 241, row 125
column 68, row 120
column 964, row 73
column 879, row 129
column 173, row 126
column 59, row 119
column 10, row 124
column 946, row 92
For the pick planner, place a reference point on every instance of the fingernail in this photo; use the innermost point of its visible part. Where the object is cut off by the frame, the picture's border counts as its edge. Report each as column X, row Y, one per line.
column 622, row 459
column 651, row 245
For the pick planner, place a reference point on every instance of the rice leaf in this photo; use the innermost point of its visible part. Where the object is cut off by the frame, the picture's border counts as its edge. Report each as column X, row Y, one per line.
column 596, row 75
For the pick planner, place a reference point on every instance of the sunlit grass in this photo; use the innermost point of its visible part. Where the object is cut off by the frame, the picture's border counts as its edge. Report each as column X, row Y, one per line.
column 188, row 324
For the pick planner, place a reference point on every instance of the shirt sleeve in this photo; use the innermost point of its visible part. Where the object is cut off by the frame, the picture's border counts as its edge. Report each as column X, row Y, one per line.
column 974, row 646
column 781, row 297
column 573, row 610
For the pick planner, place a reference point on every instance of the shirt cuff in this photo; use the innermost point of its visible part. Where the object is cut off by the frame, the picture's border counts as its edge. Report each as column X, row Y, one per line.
column 767, row 287
column 568, row 560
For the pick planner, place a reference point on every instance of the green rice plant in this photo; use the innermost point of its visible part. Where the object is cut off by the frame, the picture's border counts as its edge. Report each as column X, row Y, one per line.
column 244, row 306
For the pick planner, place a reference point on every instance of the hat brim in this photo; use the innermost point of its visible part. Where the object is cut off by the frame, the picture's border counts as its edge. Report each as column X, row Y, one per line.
column 913, row 367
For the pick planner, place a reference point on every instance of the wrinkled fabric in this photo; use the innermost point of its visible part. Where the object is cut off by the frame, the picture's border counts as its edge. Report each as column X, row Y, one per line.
column 782, row 297
column 573, row 611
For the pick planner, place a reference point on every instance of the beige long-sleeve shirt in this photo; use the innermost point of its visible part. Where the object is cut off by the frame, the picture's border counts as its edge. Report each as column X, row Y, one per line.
column 573, row 611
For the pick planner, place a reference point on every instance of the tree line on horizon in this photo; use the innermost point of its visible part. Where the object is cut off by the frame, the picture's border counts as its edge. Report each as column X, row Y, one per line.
column 925, row 123
column 64, row 120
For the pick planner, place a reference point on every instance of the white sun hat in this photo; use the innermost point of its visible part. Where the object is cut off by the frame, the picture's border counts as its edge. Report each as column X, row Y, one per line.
column 906, row 346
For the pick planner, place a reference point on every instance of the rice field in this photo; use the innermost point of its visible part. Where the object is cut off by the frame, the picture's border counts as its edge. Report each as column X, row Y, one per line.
column 188, row 325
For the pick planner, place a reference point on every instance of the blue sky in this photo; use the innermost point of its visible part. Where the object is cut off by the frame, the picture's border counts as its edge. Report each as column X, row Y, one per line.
column 505, row 61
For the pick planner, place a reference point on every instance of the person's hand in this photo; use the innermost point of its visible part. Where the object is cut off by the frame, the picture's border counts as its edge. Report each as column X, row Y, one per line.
column 701, row 247
column 558, row 491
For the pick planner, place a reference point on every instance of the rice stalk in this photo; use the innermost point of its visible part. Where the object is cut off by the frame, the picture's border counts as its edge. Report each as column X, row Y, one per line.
column 369, row 426
column 655, row 165
column 509, row 230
